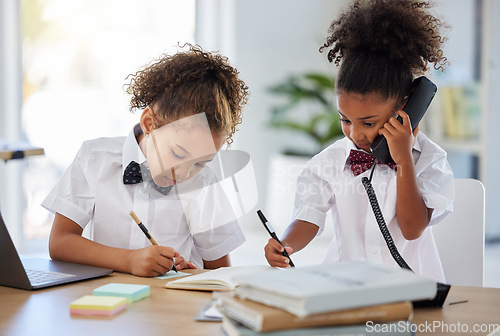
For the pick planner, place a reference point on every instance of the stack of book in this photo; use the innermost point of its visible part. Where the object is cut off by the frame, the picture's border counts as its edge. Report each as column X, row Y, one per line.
column 349, row 298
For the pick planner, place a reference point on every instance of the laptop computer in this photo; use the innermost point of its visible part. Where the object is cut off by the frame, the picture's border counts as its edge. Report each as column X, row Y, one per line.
column 35, row 273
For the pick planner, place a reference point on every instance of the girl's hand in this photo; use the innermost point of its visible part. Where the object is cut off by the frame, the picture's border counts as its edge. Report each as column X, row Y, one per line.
column 180, row 263
column 152, row 261
column 273, row 251
column 400, row 137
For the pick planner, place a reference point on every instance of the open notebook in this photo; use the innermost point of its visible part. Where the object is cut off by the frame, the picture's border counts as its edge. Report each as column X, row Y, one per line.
column 34, row 273
column 216, row 280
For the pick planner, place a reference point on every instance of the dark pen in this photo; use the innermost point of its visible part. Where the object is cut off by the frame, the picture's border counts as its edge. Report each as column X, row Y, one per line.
column 146, row 232
column 270, row 229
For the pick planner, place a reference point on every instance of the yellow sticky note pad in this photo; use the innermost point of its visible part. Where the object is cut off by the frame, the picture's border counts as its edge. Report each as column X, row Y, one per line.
column 98, row 305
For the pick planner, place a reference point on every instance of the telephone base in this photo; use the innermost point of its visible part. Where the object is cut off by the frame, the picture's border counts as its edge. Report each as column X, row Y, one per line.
column 437, row 301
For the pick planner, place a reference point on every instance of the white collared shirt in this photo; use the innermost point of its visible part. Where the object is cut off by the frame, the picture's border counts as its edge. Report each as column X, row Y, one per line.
column 326, row 183
column 198, row 224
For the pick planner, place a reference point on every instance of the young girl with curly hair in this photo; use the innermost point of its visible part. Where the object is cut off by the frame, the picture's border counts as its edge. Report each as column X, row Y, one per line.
column 191, row 104
column 380, row 47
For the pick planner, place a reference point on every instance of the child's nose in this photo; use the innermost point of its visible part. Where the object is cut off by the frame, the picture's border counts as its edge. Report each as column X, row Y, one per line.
column 356, row 133
column 182, row 172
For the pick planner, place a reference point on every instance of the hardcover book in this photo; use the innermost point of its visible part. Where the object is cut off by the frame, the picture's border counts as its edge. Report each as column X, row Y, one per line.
column 316, row 289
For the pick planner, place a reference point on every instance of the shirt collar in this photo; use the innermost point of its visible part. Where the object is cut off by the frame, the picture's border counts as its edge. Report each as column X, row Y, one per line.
column 131, row 150
column 350, row 145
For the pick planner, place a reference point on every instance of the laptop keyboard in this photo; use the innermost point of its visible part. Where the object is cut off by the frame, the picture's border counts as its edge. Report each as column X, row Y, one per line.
column 40, row 276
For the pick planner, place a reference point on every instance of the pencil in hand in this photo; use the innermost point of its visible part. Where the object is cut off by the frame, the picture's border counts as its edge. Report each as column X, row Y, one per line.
column 146, row 232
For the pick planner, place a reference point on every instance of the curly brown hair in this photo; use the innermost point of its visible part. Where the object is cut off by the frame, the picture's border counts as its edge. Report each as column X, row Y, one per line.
column 382, row 45
column 188, row 82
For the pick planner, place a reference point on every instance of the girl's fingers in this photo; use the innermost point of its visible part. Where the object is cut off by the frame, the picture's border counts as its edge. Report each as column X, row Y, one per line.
column 415, row 131
column 160, row 269
column 404, row 116
column 178, row 261
column 274, row 244
column 274, row 254
column 186, row 265
column 384, row 132
column 279, row 261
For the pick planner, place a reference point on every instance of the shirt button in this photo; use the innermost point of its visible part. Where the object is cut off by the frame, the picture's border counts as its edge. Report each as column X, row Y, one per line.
column 373, row 250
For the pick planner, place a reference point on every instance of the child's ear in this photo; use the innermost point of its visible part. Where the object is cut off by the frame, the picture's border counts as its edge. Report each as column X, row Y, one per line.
column 147, row 120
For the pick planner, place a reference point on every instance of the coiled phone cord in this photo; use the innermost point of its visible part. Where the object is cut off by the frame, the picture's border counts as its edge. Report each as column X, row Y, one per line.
column 442, row 289
column 381, row 221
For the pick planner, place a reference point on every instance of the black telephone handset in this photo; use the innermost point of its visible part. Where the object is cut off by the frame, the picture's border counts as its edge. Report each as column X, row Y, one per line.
column 422, row 92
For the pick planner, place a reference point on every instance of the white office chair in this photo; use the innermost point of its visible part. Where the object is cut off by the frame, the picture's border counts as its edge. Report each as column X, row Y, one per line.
column 460, row 236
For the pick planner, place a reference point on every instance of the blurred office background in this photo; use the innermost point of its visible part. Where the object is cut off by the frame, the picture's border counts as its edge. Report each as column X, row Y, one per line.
column 63, row 65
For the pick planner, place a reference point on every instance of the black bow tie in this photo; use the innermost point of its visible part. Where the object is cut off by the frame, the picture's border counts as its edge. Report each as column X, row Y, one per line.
column 136, row 173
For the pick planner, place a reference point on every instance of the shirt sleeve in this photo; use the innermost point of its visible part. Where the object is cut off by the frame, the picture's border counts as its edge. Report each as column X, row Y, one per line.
column 73, row 196
column 435, row 181
column 216, row 243
column 313, row 195
column 212, row 221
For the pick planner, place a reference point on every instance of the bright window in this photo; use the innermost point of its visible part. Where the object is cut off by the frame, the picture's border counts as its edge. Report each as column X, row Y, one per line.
column 76, row 57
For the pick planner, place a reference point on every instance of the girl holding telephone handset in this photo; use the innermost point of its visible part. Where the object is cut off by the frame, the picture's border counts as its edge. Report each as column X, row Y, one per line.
column 380, row 47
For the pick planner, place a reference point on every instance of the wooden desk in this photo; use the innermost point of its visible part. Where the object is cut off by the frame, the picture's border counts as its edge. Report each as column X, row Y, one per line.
column 171, row 312
column 482, row 308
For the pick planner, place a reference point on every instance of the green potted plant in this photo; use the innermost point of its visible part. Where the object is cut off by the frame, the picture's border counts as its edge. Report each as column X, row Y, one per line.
column 309, row 108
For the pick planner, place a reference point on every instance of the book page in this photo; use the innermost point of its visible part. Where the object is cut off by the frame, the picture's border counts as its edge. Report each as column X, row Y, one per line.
column 221, row 278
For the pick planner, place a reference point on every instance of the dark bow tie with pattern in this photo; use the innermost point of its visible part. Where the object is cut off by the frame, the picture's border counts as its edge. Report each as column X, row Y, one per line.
column 136, row 173
column 359, row 162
